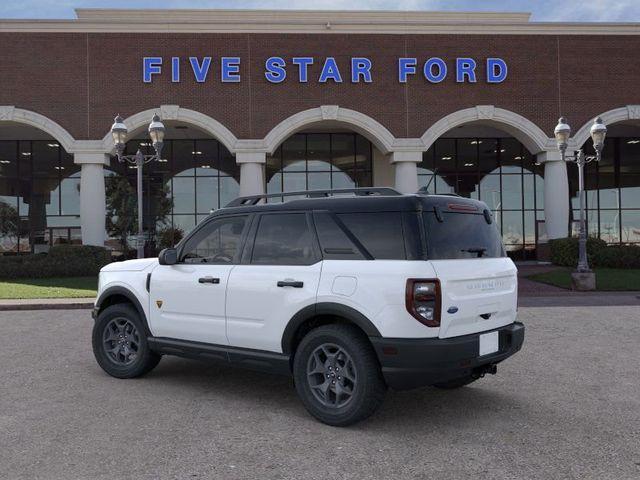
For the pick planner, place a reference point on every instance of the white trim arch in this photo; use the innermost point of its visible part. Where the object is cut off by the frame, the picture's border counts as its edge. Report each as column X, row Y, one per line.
column 629, row 112
column 177, row 113
column 527, row 132
column 9, row 113
column 373, row 130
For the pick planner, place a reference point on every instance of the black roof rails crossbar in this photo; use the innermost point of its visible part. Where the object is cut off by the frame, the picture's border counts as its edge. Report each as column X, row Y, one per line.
column 360, row 192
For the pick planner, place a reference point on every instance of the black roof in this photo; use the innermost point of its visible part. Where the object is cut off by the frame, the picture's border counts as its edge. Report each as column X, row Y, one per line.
column 364, row 204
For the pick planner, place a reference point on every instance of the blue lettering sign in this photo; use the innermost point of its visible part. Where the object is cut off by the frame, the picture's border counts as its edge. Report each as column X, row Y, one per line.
column 406, row 66
column 175, row 69
column 200, row 71
column 330, row 71
column 360, row 67
column 230, row 69
column 465, row 67
column 151, row 66
column 303, row 67
column 496, row 70
column 275, row 69
column 428, row 70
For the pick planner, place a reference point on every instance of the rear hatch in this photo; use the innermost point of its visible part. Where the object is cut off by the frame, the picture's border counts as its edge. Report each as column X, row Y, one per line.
column 478, row 282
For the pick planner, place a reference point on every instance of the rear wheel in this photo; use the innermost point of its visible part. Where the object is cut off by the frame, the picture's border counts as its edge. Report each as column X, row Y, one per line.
column 456, row 383
column 337, row 375
column 120, row 343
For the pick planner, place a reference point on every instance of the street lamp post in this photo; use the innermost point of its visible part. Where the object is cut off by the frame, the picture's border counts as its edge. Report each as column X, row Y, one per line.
column 562, row 133
column 119, row 133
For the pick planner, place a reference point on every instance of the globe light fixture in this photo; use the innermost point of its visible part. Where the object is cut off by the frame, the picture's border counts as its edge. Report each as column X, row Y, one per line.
column 119, row 134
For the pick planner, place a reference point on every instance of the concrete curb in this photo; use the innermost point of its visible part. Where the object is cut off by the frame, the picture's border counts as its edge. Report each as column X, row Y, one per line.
column 47, row 304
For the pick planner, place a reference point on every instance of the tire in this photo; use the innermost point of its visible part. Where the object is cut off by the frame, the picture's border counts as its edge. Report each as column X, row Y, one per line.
column 455, row 383
column 130, row 356
column 359, row 387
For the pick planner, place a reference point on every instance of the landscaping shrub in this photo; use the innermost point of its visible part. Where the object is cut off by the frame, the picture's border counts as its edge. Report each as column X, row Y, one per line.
column 61, row 261
column 618, row 256
column 564, row 251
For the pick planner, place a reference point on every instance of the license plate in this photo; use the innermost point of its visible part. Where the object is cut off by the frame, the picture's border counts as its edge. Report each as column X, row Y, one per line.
column 488, row 343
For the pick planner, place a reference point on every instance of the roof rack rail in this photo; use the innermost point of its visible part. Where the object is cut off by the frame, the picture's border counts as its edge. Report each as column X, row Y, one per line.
column 359, row 192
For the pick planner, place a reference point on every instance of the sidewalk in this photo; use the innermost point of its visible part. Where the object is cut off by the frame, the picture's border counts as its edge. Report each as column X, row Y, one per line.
column 46, row 304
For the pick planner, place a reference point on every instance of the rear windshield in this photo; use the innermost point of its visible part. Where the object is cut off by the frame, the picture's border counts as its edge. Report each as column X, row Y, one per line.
column 461, row 235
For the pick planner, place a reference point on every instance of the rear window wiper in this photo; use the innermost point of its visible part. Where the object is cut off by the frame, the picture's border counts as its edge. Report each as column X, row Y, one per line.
column 480, row 251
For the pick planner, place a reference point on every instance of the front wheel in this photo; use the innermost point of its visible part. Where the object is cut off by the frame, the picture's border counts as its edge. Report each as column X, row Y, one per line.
column 337, row 375
column 120, row 343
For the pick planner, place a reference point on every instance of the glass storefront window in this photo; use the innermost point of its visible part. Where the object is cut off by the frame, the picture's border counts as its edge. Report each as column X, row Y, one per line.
column 197, row 176
column 320, row 161
column 39, row 196
column 612, row 191
column 498, row 171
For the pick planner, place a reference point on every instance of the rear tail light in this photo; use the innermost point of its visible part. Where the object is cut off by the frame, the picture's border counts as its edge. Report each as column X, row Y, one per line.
column 423, row 301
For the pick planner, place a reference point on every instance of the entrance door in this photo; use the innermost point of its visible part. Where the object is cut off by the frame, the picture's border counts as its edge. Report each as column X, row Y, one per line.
column 279, row 276
column 187, row 300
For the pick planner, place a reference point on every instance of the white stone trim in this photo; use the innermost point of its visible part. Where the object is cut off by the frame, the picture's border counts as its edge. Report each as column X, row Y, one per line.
column 382, row 138
column 176, row 113
column 629, row 112
column 531, row 136
column 10, row 113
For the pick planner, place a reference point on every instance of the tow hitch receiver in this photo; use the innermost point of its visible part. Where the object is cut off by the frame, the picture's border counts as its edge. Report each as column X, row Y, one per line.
column 480, row 372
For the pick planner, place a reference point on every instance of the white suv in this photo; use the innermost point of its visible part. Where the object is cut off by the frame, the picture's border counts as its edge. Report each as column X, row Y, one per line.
column 348, row 294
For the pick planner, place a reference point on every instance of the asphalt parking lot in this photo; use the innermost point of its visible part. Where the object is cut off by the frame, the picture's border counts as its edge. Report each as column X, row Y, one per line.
column 568, row 406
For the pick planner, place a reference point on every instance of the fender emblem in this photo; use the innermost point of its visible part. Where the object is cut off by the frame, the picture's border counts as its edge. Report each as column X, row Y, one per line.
column 159, row 303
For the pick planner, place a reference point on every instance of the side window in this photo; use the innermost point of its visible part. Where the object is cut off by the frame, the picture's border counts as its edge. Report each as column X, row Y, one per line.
column 217, row 243
column 380, row 233
column 283, row 239
column 335, row 244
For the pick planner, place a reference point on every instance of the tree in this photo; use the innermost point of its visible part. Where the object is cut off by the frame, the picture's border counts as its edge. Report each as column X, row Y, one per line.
column 9, row 221
column 122, row 208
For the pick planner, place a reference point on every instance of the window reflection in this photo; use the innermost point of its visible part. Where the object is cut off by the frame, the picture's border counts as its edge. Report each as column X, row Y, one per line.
column 498, row 171
column 320, row 161
column 39, row 196
column 196, row 175
column 612, row 188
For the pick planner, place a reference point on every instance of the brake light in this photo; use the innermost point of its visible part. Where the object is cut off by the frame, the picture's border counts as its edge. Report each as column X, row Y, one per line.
column 423, row 301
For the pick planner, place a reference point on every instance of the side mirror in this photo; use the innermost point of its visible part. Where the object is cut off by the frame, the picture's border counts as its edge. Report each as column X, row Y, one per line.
column 168, row 256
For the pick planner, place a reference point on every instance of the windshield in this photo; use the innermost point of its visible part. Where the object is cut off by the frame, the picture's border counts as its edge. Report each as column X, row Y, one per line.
column 461, row 235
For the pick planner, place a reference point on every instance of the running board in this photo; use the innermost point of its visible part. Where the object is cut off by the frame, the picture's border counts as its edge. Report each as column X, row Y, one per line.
column 260, row 360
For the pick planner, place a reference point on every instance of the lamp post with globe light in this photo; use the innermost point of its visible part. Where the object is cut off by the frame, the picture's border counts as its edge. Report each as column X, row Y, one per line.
column 119, row 133
column 583, row 278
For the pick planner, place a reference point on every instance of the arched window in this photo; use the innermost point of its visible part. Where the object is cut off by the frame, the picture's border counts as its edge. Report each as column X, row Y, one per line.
column 316, row 161
column 39, row 196
column 497, row 171
column 198, row 176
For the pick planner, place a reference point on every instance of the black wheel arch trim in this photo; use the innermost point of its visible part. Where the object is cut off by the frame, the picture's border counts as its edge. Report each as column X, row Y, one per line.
column 325, row 308
column 125, row 292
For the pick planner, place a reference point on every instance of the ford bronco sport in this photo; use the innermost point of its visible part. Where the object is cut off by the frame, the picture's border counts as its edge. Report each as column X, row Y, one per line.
column 348, row 294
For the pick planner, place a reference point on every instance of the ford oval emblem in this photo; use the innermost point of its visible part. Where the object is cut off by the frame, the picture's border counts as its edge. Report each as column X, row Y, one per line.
column 452, row 310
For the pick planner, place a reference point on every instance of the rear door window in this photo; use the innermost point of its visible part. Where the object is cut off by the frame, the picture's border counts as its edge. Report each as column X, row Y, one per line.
column 284, row 239
column 461, row 235
column 334, row 242
column 380, row 233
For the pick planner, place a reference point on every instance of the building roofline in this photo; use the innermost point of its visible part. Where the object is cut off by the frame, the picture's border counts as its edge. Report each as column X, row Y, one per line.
column 311, row 21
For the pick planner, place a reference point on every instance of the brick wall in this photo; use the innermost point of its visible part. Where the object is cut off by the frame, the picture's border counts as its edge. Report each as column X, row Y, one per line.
column 82, row 80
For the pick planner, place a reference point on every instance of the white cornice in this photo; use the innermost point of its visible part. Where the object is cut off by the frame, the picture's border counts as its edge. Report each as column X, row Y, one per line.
column 302, row 21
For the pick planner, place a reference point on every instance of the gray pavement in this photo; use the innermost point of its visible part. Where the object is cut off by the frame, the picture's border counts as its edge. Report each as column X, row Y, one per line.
column 567, row 406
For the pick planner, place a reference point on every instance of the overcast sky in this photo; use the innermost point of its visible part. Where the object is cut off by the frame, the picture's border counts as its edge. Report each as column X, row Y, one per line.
column 543, row 10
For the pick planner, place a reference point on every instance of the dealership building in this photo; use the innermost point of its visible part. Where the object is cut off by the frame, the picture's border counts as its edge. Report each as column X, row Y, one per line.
column 276, row 101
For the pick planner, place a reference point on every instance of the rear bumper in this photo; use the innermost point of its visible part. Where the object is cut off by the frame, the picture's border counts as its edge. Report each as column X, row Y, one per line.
column 410, row 363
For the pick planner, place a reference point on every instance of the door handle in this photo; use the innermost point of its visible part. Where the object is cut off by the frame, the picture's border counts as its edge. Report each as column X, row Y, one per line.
column 290, row 283
column 208, row 280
